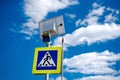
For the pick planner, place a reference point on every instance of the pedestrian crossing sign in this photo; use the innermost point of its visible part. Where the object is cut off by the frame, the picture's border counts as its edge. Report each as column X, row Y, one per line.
column 47, row 60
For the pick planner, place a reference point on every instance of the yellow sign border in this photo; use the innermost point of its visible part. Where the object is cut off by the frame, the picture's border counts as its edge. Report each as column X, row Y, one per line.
column 59, row 56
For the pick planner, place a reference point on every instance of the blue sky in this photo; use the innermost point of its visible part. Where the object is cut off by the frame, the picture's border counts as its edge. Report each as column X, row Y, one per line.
column 92, row 38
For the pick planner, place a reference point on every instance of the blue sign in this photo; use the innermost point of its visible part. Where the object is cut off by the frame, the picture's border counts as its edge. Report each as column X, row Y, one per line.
column 47, row 60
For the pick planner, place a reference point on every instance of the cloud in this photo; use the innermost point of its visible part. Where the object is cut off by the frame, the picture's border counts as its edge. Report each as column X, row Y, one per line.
column 37, row 10
column 92, row 63
column 91, row 29
column 78, row 22
column 90, row 34
column 108, row 77
column 110, row 18
column 71, row 16
column 59, row 78
column 111, row 15
column 93, row 16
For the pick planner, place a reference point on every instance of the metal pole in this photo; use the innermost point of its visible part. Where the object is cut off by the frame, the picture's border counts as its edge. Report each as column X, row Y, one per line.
column 62, row 75
column 47, row 75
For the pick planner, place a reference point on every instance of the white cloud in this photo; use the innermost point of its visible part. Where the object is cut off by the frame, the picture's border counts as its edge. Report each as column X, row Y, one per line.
column 78, row 22
column 117, row 12
column 71, row 16
column 59, row 78
column 93, row 16
column 112, row 10
column 92, row 63
column 90, row 34
column 95, row 5
column 94, row 31
column 110, row 18
column 37, row 10
column 108, row 77
column 97, row 13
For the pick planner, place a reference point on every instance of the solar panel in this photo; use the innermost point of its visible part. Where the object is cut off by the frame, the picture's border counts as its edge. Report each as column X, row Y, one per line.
column 54, row 26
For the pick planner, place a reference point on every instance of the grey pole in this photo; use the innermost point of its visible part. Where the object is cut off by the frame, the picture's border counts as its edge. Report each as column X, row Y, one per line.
column 47, row 75
column 62, row 75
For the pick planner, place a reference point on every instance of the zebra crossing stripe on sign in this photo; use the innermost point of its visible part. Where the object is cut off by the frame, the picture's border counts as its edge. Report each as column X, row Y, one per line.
column 46, row 61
